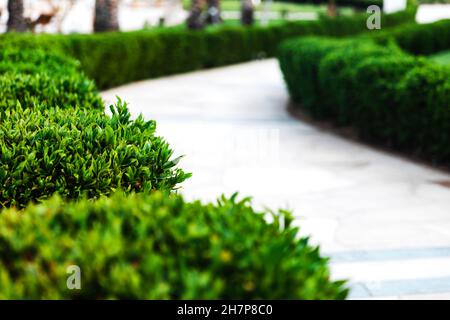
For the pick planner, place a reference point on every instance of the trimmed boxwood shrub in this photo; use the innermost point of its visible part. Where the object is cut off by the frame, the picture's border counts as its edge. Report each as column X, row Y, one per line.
column 30, row 61
column 417, row 38
column 375, row 79
column 301, row 71
column 387, row 95
column 158, row 247
column 80, row 152
column 337, row 77
column 424, row 95
column 45, row 91
column 112, row 59
column 35, row 78
column 56, row 138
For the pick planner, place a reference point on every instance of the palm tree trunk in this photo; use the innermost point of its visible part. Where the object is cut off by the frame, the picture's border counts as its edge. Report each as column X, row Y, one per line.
column 247, row 12
column 213, row 14
column 16, row 20
column 331, row 8
column 195, row 20
column 106, row 15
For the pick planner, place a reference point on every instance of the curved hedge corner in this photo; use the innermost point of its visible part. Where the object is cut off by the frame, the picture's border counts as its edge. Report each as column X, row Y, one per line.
column 113, row 59
column 387, row 95
column 80, row 153
column 158, row 247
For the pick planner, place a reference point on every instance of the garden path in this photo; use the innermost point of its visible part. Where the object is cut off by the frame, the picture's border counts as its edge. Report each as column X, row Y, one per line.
column 384, row 220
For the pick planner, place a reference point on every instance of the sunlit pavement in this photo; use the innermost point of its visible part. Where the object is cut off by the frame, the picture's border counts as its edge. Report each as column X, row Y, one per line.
column 384, row 220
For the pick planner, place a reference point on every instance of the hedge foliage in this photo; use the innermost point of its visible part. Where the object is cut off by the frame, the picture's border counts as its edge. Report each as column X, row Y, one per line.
column 80, row 153
column 35, row 78
column 387, row 95
column 113, row 59
column 158, row 247
column 56, row 138
column 44, row 91
column 32, row 60
column 418, row 39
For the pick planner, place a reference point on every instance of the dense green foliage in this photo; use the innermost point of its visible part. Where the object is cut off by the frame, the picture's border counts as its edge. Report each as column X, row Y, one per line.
column 112, row 59
column 80, row 152
column 56, row 138
column 387, row 95
column 158, row 247
column 417, row 38
column 35, row 78
column 43, row 91
column 299, row 61
column 34, row 60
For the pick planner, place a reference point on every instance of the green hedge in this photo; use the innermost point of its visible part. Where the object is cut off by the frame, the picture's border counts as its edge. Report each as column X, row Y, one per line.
column 158, row 247
column 301, row 71
column 35, row 78
column 419, row 39
column 44, row 91
column 78, row 153
column 56, row 138
column 337, row 73
column 424, row 94
column 387, row 95
column 113, row 59
column 32, row 60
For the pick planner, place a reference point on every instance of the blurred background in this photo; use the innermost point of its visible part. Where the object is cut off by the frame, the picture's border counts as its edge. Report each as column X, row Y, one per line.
column 76, row 16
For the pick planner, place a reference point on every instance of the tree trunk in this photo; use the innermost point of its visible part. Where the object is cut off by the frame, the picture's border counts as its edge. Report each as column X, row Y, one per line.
column 213, row 15
column 16, row 20
column 106, row 15
column 331, row 8
column 195, row 20
column 247, row 12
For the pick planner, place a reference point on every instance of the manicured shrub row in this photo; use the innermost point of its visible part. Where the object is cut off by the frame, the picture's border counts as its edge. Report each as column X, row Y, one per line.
column 32, row 60
column 299, row 61
column 44, row 91
column 419, row 39
column 35, row 78
column 388, row 96
column 80, row 152
column 158, row 247
column 55, row 137
column 117, row 58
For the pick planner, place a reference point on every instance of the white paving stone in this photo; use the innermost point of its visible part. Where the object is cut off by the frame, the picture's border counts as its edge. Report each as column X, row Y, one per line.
column 381, row 271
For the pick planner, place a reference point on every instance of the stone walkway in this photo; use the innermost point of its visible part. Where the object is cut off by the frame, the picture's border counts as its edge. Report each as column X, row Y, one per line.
column 384, row 220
